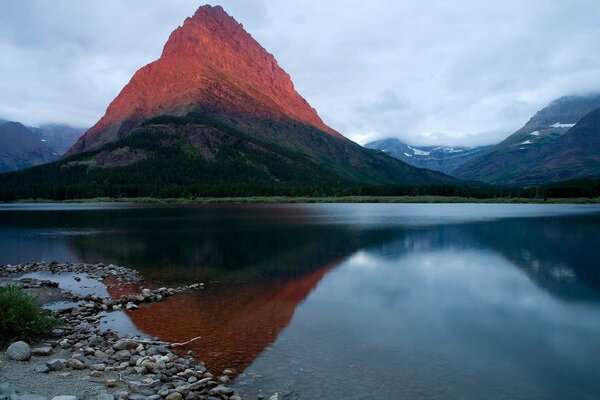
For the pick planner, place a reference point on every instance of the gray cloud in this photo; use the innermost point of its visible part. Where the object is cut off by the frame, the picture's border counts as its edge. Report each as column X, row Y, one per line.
column 429, row 72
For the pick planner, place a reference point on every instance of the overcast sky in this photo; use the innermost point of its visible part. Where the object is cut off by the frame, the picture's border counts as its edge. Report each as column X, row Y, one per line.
column 462, row 72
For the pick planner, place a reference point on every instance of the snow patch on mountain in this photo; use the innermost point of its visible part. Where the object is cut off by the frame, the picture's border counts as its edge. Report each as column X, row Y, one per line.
column 560, row 125
column 419, row 152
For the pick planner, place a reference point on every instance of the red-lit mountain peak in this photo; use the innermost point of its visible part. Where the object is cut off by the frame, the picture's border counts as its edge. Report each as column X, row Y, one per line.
column 209, row 63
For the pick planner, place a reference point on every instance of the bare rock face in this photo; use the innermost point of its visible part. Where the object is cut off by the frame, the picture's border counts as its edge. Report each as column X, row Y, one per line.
column 209, row 63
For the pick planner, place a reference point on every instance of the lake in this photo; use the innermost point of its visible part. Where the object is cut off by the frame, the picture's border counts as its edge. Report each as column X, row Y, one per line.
column 357, row 301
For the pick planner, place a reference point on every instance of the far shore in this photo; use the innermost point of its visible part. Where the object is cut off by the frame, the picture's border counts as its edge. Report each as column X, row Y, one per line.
column 299, row 200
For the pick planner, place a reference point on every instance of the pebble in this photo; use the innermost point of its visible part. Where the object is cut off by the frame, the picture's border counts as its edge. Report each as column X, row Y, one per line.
column 85, row 347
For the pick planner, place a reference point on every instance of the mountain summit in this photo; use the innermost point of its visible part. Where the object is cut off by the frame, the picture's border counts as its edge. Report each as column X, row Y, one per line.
column 215, row 115
column 209, row 63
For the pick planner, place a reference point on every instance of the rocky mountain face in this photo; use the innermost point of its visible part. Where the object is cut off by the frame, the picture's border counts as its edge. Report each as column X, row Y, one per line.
column 437, row 158
column 511, row 161
column 574, row 155
column 59, row 137
column 216, row 109
column 209, row 64
column 20, row 148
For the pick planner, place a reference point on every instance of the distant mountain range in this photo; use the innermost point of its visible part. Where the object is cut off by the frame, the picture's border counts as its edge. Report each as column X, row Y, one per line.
column 59, row 137
column 437, row 158
column 27, row 146
column 552, row 146
column 215, row 114
column 20, row 148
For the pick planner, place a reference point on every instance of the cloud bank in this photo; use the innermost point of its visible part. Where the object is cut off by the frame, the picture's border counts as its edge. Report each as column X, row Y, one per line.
column 428, row 72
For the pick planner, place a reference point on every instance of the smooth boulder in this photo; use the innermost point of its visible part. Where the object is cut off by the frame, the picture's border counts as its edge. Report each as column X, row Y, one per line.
column 19, row 351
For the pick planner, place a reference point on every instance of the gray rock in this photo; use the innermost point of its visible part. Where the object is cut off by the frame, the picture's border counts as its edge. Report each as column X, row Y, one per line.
column 221, row 390
column 276, row 396
column 75, row 364
column 6, row 389
column 56, row 364
column 138, row 387
column 122, row 355
column 97, row 367
column 42, row 351
column 137, row 397
column 121, row 395
column 125, row 344
column 65, row 398
column 19, row 351
column 32, row 397
column 41, row 369
column 105, row 397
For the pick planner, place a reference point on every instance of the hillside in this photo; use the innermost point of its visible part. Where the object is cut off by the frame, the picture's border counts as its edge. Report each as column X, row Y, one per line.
column 20, row 148
column 511, row 160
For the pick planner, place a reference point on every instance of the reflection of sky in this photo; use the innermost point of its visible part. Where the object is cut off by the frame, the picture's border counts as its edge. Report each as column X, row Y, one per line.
column 382, row 215
column 450, row 324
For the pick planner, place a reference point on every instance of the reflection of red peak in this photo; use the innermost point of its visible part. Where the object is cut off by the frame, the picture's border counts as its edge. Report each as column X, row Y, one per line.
column 209, row 63
column 236, row 324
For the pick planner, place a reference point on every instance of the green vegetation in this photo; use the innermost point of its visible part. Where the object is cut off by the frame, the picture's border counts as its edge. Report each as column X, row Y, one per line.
column 21, row 318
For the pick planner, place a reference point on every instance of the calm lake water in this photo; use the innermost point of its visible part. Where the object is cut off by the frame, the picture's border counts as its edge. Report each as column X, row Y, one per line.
column 355, row 301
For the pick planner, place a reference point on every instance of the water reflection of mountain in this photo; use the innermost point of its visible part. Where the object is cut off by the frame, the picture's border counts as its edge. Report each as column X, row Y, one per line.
column 236, row 323
column 565, row 265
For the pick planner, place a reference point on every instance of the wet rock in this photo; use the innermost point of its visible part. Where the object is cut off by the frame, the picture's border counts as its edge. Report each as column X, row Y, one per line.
column 105, row 397
column 65, row 398
column 43, row 351
column 96, row 374
column 19, row 351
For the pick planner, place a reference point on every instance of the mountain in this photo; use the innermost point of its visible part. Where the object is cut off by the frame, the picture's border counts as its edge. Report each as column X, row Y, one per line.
column 215, row 114
column 511, row 161
column 59, row 137
column 20, row 148
column 210, row 64
column 437, row 158
column 574, row 155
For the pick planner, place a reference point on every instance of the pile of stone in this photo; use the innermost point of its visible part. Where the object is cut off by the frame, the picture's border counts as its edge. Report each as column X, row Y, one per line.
column 130, row 367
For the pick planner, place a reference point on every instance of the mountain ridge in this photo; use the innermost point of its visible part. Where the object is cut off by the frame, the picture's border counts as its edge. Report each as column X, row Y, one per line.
column 506, row 162
column 208, row 63
column 20, row 148
column 444, row 159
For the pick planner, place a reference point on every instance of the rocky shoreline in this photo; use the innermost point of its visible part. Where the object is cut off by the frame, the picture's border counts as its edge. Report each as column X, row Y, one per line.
column 103, row 364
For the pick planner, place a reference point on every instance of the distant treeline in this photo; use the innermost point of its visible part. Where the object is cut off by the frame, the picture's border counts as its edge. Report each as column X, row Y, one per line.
column 113, row 185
